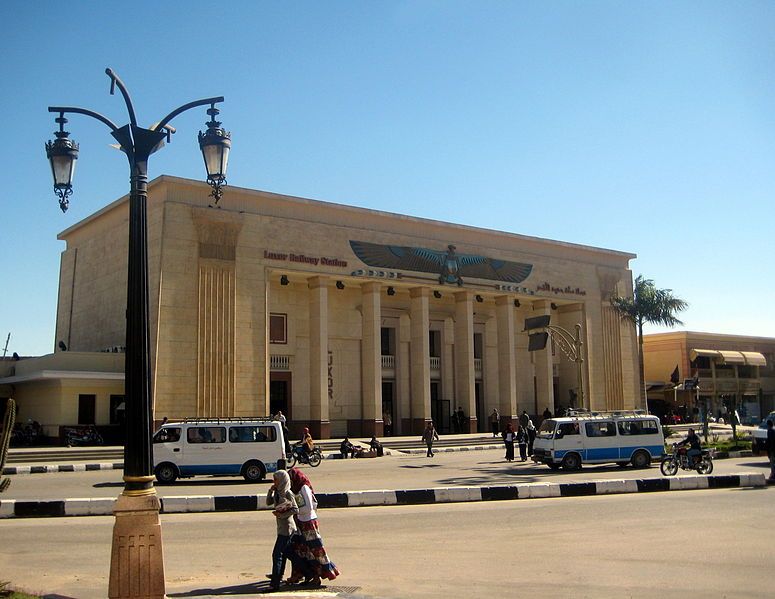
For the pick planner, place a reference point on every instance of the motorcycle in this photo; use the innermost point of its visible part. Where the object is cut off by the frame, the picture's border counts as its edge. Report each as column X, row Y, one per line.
column 671, row 462
column 297, row 454
column 88, row 436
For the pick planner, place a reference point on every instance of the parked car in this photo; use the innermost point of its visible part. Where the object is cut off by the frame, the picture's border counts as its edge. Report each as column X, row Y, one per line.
column 760, row 434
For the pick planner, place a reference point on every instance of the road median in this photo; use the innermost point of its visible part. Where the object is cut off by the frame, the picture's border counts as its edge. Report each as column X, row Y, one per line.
column 15, row 508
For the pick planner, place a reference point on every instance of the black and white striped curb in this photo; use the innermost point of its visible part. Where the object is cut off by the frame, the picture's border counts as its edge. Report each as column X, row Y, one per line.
column 43, row 469
column 15, row 508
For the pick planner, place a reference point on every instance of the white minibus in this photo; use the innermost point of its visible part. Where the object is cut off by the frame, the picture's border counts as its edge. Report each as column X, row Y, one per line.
column 248, row 447
column 623, row 437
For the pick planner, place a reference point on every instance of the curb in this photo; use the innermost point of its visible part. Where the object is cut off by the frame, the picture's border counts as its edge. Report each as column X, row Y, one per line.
column 14, row 508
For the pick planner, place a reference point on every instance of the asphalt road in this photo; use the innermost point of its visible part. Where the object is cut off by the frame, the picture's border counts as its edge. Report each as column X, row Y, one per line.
column 714, row 543
column 470, row 468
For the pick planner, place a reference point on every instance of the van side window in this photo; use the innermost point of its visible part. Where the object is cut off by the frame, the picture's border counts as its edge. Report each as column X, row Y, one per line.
column 637, row 427
column 207, row 434
column 167, row 435
column 568, row 428
column 600, row 429
column 252, row 434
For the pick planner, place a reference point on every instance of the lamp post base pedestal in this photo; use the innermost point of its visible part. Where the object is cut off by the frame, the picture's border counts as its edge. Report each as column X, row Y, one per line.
column 137, row 559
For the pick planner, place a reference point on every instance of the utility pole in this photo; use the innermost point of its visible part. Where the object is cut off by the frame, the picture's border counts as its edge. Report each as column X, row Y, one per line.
column 5, row 349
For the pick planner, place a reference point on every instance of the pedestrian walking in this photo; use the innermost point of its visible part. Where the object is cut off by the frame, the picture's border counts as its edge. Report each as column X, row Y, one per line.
column 547, row 413
column 312, row 562
column 285, row 507
column 522, row 442
column 531, row 436
column 461, row 420
column 771, row 449
column 523, row 418
column 509, row 436
column 495, row 421
column 280, row 417
column 387, row 424
column 428, row 436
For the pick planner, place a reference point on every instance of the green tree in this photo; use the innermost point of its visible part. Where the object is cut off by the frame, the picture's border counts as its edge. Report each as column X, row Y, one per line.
column 648, row 305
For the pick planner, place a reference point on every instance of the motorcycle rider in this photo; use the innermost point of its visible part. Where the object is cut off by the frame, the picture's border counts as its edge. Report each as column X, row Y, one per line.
column 306, row 443
column 695, row 447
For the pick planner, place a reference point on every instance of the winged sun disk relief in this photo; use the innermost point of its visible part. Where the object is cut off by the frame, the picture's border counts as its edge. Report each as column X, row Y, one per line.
column 451, row 266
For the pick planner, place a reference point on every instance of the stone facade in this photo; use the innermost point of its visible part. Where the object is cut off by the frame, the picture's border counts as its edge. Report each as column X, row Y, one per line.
column 264, row 302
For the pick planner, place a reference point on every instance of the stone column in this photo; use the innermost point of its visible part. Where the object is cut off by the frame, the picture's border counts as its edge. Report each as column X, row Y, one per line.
column 403, row 382
column 371, row 361
column 507, row 372
column 525, row 373
column 420, row 360
column 465, row 376
column 542, row 359
column 318, row 357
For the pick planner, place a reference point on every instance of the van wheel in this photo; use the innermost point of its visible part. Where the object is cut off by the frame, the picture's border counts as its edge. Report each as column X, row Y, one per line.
column 641, row 459
column 253, row 471
column 571, row 461
column 166, row 473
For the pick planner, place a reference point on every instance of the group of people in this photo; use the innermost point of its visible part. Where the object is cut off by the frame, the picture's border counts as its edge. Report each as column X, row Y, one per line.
column 298, row 533
column 523, row 437
column 346, row 448
column 459, row 421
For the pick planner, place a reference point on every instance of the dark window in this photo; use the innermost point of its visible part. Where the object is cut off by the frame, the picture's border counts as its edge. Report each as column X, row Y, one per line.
column 167, row 435
column 568, row 428
column 278, row 328
column 252, row 434
column 600, row 429
column 86, row 409
column 701, row 362
column 478, row 345
column 206, row 434
column 386, row 341
column 637, row 427
column 117, row 409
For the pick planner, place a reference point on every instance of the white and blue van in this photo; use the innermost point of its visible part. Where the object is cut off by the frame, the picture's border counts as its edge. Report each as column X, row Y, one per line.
column 582, row 437
column 247, row 447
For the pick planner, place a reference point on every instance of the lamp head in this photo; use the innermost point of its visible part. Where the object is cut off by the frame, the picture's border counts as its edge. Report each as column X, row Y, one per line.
column 62, row 154
column 215, row 144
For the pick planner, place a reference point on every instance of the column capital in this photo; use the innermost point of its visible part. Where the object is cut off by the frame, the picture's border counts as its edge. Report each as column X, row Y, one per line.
column 318, row 282
column 371, row 287
column 464, row 296
column 501, row 300
column 416, row 292
column 542, row 306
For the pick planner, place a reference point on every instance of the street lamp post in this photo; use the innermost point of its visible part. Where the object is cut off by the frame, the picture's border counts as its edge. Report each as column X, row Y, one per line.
column 137, row 564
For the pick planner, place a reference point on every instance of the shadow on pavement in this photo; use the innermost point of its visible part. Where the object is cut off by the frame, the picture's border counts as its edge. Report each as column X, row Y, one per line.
column 251, row 588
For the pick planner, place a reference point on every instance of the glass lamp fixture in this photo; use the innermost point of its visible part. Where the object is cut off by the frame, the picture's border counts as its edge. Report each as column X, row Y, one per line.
column 215, row 144
column 62, row 154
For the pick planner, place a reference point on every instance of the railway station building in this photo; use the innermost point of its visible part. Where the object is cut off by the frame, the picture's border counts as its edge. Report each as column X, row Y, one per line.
column 344, row 318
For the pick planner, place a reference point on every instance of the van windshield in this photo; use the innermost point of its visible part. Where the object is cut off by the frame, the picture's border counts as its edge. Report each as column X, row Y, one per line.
column 547, row 429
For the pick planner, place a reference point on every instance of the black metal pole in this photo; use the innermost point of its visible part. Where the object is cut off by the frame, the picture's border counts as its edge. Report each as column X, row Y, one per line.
column 138, row 450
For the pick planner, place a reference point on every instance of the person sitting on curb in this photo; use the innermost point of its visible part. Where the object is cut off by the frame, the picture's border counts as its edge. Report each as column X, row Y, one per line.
column 346, row 448
column 376, row 446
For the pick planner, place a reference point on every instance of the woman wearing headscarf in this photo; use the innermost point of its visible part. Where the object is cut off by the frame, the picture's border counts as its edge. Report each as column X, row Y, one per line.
column 285, row 507
column 308, row 545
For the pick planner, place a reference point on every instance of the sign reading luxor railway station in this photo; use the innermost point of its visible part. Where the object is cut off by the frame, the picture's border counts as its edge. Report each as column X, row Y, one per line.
column 304, row 259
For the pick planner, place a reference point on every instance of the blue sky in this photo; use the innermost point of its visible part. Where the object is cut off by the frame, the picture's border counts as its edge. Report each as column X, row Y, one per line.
column 646, row 127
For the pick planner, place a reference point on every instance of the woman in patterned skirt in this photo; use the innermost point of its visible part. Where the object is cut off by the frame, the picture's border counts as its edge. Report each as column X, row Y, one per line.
column 309, row 544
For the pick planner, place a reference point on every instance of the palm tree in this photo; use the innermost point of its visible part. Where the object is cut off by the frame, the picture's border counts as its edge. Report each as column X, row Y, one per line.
column 648, row 305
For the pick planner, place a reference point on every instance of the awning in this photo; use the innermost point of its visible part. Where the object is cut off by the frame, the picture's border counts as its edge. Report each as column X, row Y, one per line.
column 723, row 356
